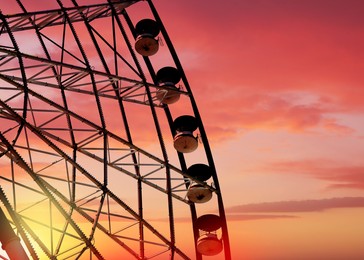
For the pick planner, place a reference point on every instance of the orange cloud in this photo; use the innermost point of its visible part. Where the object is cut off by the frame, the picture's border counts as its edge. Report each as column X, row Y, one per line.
column 299, row 206
column 342, row 176
column 247, row 217
column 233, row 217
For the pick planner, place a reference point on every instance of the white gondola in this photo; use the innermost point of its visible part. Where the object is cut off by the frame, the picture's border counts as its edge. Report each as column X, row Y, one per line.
column 199, row 194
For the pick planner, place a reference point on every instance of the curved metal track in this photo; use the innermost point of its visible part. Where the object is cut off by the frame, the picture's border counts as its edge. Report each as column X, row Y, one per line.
column 88, row 168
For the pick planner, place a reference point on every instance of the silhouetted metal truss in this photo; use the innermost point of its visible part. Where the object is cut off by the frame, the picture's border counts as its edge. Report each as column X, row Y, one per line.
column 70, row 81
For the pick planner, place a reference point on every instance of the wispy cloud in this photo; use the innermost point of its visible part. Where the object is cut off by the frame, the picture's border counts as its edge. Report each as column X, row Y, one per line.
column 281, row 209
column 261, row 58
column 298, row 206
column 247, row 217
column 297, row 113
column 341, row 176
column 235, row 217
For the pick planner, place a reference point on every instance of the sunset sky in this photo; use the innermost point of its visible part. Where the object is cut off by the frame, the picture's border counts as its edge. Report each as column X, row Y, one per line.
column 280, row 88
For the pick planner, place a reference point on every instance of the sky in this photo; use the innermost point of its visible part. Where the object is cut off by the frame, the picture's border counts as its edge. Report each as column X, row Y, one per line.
column 279, row 87
column 287, row 131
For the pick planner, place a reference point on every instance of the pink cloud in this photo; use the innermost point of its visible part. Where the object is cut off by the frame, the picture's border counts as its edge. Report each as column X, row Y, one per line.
column 261, row 51
column 341, row 176
column 299, row 206
column 272, row 112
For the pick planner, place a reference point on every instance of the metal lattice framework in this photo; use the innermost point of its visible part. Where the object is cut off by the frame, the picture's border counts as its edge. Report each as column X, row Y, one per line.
column 87, row 168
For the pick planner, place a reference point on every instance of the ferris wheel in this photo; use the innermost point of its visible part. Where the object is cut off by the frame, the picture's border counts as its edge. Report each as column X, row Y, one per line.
column 103, row 154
